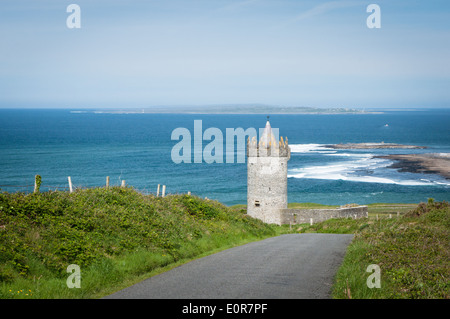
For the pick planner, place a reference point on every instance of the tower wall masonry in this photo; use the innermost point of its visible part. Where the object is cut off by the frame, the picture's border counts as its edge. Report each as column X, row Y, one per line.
column 267, row 188
column 267, row 176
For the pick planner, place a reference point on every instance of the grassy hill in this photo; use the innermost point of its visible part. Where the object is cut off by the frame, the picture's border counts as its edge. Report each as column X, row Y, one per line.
column 115, row 235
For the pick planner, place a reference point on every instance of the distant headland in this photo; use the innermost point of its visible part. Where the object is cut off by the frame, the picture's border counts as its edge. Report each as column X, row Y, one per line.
column 373, row 146
column 235, row 109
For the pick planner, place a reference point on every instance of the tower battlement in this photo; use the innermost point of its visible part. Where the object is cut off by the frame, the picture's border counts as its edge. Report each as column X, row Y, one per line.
column 273, row 148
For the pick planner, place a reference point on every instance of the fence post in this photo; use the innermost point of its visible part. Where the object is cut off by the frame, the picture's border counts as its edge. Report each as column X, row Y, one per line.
column 123, row 183
column 164, row 191
column 37, row 183
column 107, row 181
column 157, row 191
column 70, row 184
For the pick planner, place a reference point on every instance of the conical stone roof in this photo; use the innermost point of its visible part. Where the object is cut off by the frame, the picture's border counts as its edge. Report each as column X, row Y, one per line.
column 268, row 138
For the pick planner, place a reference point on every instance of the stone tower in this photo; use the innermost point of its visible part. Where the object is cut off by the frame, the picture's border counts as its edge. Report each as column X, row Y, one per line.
column 267, row 176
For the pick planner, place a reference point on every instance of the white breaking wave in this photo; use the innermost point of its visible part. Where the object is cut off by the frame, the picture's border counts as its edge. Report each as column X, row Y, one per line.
column 333, row 173
column 362, row 170
column 321, row 149
column 310, row 148
column 358, row 155
column 355, row 167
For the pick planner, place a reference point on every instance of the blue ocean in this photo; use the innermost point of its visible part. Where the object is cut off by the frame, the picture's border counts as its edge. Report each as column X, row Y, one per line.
column 137, row 147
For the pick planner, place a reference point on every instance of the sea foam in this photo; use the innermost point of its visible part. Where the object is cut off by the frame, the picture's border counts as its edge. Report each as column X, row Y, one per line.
column 354, row 167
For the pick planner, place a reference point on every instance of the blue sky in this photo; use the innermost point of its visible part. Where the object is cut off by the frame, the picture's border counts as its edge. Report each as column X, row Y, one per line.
column 183, row 52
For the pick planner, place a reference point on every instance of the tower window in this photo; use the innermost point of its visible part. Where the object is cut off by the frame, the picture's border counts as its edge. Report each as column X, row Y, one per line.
column 257, row 203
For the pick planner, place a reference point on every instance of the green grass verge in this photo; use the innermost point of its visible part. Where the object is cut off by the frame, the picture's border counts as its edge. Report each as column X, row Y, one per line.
column 117, row 236
column 412, row 252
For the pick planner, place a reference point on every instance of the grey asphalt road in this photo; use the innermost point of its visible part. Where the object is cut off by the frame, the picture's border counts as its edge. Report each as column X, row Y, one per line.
column 284, row 267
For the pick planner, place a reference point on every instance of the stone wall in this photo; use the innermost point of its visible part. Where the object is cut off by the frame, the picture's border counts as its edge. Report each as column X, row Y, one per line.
column 302, row 216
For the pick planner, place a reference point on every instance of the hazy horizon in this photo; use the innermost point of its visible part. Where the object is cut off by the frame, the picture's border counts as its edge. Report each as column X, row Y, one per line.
column 189, row 108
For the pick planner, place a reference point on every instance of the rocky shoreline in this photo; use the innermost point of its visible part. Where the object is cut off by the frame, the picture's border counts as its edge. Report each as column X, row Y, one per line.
column 430, row 163
column 372, row 146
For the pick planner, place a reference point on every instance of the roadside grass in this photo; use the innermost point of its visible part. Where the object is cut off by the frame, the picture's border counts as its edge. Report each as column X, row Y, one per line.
column 412, row 252
column 117, row 236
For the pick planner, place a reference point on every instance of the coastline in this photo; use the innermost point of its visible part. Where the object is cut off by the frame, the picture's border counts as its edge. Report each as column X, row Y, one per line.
column 231, row 109
column 429, row 163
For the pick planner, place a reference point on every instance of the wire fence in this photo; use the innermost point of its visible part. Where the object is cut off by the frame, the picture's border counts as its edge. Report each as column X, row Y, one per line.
column 70, row 187
column 30, row 188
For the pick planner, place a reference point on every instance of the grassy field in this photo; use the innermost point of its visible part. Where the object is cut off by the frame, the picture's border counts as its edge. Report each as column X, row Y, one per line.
column 116, row 236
